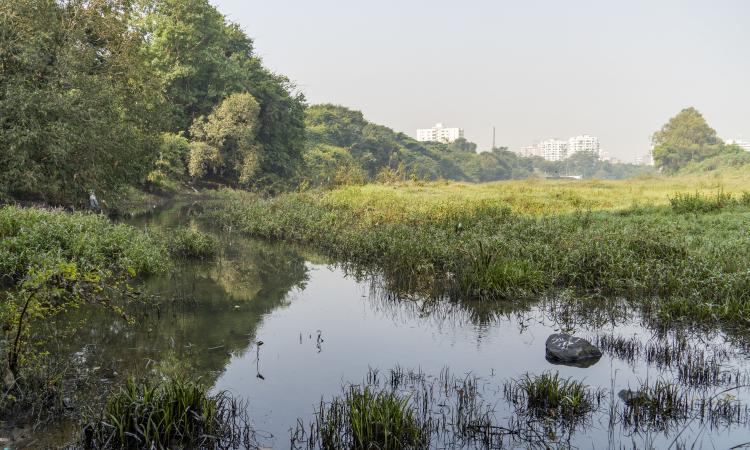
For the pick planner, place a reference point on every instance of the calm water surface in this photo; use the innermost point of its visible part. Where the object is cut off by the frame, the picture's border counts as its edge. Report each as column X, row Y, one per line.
column 322, row 329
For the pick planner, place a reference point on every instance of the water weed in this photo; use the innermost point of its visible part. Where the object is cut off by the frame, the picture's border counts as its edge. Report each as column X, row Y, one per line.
column 169, row 414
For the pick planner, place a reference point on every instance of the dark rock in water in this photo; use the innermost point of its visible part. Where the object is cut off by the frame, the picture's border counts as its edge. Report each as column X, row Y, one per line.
column 632, row 397
column 562, row 348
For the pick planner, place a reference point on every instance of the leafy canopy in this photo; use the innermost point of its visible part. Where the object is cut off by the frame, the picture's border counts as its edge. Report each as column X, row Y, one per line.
column 686, row 138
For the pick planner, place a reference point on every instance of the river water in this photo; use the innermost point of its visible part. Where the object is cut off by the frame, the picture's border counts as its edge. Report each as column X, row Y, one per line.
column 322, row 328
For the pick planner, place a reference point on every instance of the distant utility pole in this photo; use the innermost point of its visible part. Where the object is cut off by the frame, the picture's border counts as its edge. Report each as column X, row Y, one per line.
column 493, row 137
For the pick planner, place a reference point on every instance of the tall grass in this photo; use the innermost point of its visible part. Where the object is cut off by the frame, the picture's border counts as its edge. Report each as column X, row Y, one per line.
column 33, row 237
column 549, row 395
column 366, row 418
column 170, row 414
column 441, row 239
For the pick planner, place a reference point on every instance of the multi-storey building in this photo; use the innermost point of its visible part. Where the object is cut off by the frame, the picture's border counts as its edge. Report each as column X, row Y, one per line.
column 439, row 133
column 553, row 149
column 584, row 143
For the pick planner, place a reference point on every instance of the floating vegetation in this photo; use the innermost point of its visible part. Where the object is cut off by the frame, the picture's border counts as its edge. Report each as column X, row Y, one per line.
column 170, row 414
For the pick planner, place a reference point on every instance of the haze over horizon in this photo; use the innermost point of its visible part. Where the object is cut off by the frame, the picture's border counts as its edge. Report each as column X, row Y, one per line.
column 535, row 69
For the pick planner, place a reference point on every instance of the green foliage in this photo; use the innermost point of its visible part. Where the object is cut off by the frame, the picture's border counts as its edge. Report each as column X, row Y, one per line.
column 732, row 157
column 34, row 238
column 79, row 108
column 203, row 60
column 192, row 244
column 379, row 152
column 53, row 262
column 329, row 166
column 588, row 165
column 443, row 242
column 333, row 125
column 686, row 138
column 365, row 419
column 230, row 131
column 171, row 163
column 549, row 395
column 203, row 161
column 698, row 203
column 170, row 414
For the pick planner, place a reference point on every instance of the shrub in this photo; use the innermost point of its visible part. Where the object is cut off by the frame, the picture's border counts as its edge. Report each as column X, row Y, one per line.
column 697, row 203
column 191, row 244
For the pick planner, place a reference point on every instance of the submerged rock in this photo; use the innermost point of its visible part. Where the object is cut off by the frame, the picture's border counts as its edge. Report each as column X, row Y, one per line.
column 631, row 397
column 562, row 348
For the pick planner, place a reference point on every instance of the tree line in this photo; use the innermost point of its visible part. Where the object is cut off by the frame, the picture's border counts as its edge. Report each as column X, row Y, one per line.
column 102, row 95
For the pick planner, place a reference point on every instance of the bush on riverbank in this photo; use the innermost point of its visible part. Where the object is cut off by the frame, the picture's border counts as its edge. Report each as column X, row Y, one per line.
column 33, row 238
column 53, row 262
column 476, row 246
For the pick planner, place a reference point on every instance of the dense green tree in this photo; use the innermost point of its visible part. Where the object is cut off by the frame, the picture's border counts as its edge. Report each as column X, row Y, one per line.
column 203, row 59
column 79, row 109
column 231, row 129
column 329, row 166
column 686, row 138
column 171, row 162
column 333, row 125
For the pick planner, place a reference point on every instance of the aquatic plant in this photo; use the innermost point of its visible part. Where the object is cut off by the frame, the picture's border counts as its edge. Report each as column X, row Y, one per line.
column 656, row 406
column 51, row 263
column 363, row 419
column 549, row 395
column 187, row 243
column 168, row 414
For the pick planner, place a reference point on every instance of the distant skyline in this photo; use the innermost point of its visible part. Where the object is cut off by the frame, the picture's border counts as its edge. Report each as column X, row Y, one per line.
column 534, row 69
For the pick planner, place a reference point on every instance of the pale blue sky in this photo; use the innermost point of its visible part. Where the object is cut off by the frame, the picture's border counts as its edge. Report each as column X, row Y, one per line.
column 534, row 69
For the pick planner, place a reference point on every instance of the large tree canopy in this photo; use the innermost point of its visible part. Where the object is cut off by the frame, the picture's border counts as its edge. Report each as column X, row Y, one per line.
column 686, row 138
column 231, row 129
column 204, row 59
column 79, row 109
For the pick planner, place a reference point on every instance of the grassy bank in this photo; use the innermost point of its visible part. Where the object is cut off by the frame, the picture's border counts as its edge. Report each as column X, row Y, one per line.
column 53, row 262
column 638, row 239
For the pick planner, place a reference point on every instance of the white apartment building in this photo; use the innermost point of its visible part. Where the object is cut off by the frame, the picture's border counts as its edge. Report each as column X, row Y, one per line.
column 439, row 133
column 553, row 149
column 584, row 143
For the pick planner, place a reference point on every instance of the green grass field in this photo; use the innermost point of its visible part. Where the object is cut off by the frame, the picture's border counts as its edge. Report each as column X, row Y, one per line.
column 395, row 202
column 683, row 242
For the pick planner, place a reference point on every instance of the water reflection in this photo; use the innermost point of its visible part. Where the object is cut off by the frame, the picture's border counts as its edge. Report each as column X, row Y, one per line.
column 323, row 326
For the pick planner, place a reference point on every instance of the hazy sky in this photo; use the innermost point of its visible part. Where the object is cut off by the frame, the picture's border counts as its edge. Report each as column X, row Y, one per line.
column 534, row 69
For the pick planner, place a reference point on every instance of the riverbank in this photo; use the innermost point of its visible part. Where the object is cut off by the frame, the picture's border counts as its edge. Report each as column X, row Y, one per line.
column 54, row 264
column 679, row 243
